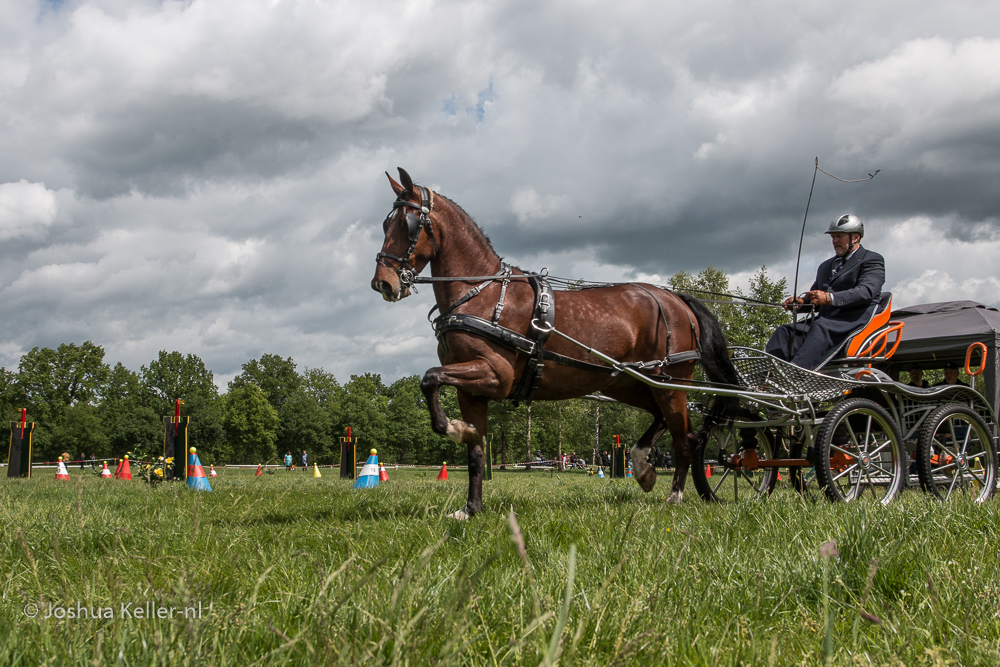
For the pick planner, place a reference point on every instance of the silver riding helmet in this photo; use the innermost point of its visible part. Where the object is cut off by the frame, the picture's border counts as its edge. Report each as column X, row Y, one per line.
column 847, row 224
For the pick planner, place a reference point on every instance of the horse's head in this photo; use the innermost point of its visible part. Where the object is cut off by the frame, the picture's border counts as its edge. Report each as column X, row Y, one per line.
column 409, row 239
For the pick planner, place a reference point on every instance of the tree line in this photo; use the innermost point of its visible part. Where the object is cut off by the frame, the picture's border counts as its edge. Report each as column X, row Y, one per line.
column 81, row 404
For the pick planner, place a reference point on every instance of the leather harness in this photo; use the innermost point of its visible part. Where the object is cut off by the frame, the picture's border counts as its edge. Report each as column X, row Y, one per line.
column 543, row 316
column 532, row 345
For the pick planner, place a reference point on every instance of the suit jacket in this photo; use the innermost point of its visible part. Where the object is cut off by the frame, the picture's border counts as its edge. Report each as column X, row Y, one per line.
column 856, row 288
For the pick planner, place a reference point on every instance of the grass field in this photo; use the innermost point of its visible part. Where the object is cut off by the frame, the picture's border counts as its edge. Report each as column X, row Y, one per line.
column 291, row 569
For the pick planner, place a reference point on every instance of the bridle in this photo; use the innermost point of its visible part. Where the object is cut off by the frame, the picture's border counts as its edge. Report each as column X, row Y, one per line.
column 414, row 223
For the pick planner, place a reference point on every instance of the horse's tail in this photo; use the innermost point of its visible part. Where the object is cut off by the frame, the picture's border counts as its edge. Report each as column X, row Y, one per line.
column 714, row 361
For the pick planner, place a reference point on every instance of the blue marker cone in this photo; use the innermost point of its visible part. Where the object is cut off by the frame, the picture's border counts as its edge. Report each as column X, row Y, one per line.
column 369, row 473
column 196, row 474
column 600, row 473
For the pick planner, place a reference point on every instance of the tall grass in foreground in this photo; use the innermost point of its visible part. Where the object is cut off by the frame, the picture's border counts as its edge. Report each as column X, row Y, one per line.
column 292, row 569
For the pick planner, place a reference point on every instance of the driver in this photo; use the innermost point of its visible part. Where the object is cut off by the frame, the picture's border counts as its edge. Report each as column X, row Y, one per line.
column 847, row 291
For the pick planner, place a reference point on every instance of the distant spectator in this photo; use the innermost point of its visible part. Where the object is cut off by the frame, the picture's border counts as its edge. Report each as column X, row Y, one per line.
column 305, row 459
column 951, row 375
column 917, row 378
column 82, row 457
column 288, row 460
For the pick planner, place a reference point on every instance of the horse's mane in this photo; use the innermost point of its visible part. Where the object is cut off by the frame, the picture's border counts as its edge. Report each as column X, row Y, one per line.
column 476, row 229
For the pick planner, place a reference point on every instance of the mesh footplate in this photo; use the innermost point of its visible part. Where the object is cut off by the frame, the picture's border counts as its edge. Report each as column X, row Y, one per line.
column 759, row 371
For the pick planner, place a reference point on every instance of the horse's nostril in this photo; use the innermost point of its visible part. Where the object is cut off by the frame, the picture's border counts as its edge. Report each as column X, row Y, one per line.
column 384, row 287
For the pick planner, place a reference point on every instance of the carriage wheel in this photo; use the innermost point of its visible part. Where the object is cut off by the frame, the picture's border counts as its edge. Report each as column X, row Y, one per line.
column 727, row 484
column 858, row 449
column 955, row 454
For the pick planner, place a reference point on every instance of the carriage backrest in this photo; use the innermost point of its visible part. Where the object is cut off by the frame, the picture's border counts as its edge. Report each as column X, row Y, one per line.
column 870, row 342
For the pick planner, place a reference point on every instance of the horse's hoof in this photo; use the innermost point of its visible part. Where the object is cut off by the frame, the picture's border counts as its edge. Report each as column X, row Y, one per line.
column 460, row 431
column 647, row 480
column 455, row 428
column 676, row 498
column 459, row 515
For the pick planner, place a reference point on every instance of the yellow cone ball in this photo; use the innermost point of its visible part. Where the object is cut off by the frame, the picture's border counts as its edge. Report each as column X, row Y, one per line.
column 193, row 450
column 126, row 456
column 374, row 452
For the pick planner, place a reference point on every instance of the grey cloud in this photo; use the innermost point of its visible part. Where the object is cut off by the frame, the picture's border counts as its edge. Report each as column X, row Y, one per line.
column 221, row 191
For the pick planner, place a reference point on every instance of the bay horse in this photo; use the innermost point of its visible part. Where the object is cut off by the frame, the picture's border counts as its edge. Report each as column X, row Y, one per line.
column 631, row 323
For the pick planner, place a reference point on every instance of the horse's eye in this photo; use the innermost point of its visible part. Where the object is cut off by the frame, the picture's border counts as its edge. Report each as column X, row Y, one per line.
column 385, row 224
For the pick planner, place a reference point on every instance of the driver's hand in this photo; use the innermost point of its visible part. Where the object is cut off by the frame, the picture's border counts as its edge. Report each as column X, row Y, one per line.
column 792, row 301
column 818, row 297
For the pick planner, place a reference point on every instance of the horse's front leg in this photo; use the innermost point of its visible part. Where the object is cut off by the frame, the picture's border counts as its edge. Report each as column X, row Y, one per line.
column 475, row 411
column 475, row 380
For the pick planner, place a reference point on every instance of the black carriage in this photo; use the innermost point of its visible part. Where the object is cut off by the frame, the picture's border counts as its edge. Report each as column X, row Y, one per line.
column 851, row 428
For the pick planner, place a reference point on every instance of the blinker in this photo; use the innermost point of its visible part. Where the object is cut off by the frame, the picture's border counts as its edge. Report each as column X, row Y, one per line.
column 412, row 226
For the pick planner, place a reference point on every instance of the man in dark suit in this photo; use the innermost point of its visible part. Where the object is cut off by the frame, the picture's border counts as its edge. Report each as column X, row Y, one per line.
column 950, row 375
column 846, row 291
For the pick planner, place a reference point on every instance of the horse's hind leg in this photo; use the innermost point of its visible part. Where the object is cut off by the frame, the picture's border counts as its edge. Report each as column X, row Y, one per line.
column 675, row 413
column 644, row 473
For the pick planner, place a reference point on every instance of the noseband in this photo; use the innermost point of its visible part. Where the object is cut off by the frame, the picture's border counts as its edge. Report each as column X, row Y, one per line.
column 414, row 223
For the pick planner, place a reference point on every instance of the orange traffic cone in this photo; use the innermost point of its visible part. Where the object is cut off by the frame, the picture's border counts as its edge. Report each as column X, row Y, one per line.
column 383, row 476
column 212, row 472
column 61, row 472
column 124, row 471
column 105, row 473
column 708, row 470
column 443, row 475
column 260, row 470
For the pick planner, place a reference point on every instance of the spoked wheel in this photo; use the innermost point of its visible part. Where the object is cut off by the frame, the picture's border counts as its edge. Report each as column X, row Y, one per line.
column 726, row 483
column 859, row 449
column 955, row 454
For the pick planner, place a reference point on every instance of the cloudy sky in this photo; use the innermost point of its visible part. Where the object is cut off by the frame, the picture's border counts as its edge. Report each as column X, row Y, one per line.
column 207, row 176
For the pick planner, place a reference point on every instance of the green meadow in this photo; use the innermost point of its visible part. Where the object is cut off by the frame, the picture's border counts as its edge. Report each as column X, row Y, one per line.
column 560, row 568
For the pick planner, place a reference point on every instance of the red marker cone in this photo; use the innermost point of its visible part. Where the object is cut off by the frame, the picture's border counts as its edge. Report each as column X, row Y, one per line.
column 260, row 470
column 443, row 475
column 61, row 472
column 105, row 473
column 383, row 476
column 124, row 471
column 708, row 470
column 212, row 472
column 118, row 468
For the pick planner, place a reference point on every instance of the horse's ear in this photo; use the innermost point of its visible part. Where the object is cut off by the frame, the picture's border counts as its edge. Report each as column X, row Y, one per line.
column 405, row 179
column 396, row 187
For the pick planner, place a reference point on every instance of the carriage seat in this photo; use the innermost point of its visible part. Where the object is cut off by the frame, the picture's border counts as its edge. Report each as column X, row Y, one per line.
column 869, row 343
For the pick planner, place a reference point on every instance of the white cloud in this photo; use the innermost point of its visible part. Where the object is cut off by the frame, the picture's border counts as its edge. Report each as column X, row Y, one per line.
column 26, row 209
column 528, row 205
